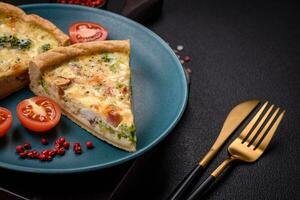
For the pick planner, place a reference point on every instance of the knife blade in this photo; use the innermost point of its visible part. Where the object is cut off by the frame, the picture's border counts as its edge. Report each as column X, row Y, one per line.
column 236, row 116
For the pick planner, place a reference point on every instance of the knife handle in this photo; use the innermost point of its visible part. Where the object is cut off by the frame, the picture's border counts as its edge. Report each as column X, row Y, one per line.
column 201, row 189
column 187, row 183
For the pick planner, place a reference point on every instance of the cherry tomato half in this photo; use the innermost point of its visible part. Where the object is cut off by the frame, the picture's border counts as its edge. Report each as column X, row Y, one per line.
column 38, row 113
column 87, row 32
column 5, row 121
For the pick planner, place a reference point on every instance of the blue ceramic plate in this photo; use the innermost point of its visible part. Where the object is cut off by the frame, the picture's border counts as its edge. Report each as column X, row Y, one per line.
column 159, row 96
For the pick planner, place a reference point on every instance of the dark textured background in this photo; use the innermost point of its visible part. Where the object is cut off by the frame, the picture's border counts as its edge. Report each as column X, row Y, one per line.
column 240, row 50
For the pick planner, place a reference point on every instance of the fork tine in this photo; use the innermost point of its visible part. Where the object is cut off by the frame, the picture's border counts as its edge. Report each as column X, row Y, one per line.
column 252, row 122
column 254, row 132
column 262, row 133
column 263, row 145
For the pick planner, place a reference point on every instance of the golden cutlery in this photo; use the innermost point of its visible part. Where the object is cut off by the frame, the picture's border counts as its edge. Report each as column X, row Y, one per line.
column 236, row 116
column 249, row 145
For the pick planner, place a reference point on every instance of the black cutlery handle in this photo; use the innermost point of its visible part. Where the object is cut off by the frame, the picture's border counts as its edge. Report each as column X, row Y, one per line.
column 201, row 189
column 187, row 183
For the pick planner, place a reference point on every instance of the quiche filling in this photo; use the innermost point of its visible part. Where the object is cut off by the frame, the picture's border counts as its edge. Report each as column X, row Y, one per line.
column 22, row 40
column 96, row 88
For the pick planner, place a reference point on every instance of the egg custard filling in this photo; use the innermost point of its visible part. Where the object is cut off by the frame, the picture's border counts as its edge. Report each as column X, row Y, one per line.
column 21, row 41
column 23, row 37
column 96, row 88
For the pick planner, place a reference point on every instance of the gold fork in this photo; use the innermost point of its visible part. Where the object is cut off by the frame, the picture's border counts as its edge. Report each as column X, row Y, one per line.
column 248, row 146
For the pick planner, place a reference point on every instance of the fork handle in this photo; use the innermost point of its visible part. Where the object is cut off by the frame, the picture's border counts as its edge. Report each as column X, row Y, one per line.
column 187, row 183
column 202, row 189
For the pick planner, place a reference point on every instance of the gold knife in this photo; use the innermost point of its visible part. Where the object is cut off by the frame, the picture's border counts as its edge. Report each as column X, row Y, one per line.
column 236, row 116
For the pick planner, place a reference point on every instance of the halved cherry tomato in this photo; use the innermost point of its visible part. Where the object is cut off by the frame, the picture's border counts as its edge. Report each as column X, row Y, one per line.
column 38, row 113
column 5, row 121
column 87, row 32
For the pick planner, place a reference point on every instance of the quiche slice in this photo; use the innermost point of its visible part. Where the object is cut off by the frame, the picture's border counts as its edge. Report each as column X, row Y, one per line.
column 91, row 83
column 22, row 37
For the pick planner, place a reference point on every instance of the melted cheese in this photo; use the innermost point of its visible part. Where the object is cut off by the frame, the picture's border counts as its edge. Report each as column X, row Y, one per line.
column 10, row 58
column 97, row 82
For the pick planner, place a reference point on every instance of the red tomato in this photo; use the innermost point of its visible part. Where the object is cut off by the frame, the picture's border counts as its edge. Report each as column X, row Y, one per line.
column 87, row 32
column 5, row 121
column 114, row 118
column 38, row 113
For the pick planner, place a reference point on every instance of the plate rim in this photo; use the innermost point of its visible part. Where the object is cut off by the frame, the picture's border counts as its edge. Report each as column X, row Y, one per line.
column 133, row 155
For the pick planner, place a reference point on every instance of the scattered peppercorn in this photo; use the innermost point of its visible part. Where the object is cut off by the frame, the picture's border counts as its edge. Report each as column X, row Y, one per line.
column 66, row 145
column 61, row 145
column 89, row 144
column 44, row 141
column 187, row 59
column 19, row 149
column 27, row 146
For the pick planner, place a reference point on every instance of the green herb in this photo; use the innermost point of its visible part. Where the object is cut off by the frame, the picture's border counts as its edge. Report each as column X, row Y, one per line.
column 106, row 57
column 103, row 127
column 14, row 43
column 110, row 129
column 127, row 133
column 24, row 44
column 120, row 85
column 45, row 47
column 44, row 85
column 4, row 40
column 97, row 87
column 113, row 68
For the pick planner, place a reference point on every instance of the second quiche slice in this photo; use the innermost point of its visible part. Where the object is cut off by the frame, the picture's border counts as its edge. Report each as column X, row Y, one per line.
column 91, row 83
column 22, row 37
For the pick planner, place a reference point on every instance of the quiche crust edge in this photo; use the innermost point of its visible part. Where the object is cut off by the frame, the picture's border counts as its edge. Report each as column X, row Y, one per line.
column 59, row 55
column 14, row 80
